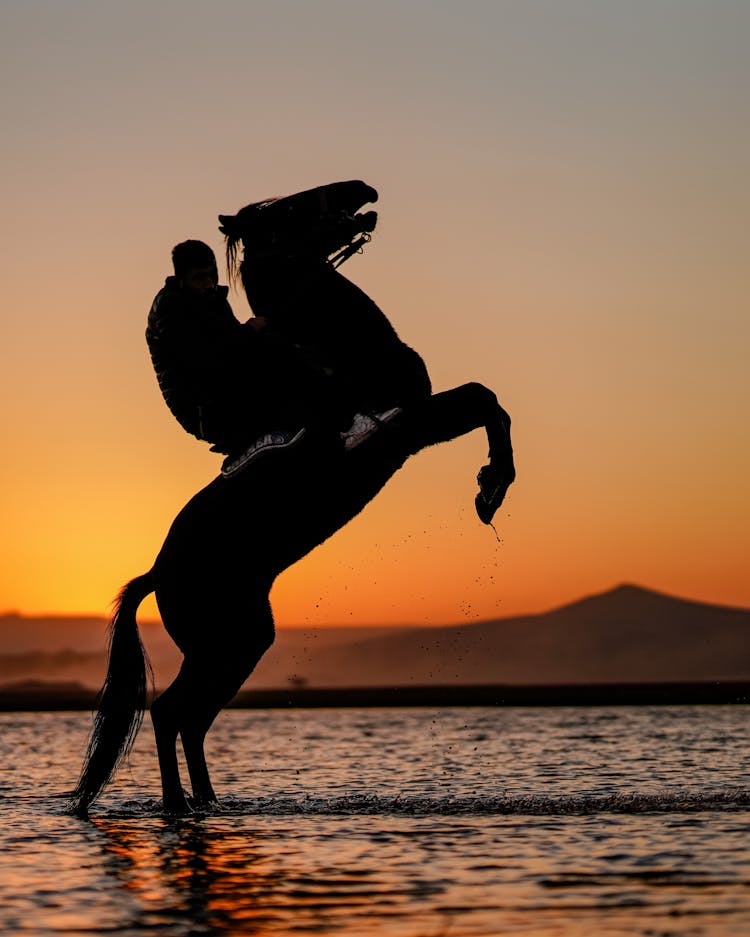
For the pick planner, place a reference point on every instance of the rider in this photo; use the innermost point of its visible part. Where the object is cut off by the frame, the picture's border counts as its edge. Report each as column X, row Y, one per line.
column 214, row 371
column 240, row 386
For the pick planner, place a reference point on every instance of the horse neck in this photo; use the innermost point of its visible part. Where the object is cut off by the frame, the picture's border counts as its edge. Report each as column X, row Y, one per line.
column 275, row 283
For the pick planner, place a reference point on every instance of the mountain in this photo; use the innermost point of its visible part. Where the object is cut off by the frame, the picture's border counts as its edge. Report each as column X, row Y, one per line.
column 628, row 634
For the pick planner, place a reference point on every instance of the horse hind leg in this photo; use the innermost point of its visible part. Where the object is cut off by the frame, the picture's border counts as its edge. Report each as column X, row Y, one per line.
column 188, row 707
column 193, row 738
column 222, row 681
column 165, row 716
column 218, row 686
column 222, row 686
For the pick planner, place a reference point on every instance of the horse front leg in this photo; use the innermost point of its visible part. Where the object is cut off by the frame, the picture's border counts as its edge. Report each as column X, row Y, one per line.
column 454, row 413
column 495, row 478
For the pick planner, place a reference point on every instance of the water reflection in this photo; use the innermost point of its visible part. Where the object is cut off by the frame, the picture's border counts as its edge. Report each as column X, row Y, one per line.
column 195, row 877
column 519, row 875
column 198, row 879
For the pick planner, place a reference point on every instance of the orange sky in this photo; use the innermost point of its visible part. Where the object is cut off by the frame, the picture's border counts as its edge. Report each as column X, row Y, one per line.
column 563, row 217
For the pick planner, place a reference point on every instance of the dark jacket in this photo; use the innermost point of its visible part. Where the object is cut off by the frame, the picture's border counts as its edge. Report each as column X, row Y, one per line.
column 193, row 342
column 223, row 381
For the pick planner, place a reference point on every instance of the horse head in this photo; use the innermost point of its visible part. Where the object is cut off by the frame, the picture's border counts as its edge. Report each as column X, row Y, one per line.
column 318, row 225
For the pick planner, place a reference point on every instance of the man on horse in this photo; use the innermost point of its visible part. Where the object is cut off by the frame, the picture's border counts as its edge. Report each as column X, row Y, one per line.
column 318, row 353
column 254, row 387
column 228, row 382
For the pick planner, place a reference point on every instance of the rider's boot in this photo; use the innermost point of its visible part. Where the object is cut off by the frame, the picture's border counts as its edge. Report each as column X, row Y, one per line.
column 268, row 442
column 366, row 425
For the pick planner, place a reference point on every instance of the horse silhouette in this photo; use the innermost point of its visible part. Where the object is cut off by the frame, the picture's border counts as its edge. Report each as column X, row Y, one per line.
column 214, row 572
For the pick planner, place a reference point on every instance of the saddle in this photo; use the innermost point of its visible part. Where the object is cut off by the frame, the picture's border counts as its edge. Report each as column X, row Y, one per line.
column 323, row 223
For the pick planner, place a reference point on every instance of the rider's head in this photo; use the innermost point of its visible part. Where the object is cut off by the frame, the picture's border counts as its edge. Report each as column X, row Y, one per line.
column 195, row 267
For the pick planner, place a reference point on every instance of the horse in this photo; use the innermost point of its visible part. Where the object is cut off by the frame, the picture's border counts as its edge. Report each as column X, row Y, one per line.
column 214, row 572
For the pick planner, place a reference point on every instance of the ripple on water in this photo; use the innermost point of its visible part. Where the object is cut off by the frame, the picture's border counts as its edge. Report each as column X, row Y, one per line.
column 408, row 823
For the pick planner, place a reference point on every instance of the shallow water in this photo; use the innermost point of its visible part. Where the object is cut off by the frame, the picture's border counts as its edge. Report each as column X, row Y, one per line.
column 409, row 822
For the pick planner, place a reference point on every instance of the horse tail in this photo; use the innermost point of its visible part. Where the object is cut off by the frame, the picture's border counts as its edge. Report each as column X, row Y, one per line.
column 122, row 699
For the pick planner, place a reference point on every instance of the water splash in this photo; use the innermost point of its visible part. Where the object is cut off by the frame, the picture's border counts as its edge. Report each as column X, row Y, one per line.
column 456, row 806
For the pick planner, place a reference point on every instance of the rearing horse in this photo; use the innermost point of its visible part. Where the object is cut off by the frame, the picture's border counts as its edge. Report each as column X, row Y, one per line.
column 214, row 572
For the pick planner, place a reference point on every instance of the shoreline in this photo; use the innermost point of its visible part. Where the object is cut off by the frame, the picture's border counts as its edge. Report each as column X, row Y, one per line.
column 50, row 698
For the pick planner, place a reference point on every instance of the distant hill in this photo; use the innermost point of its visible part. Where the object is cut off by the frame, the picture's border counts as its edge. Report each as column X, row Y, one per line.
column 66, row 649
column 626, row 635
column 73, row 649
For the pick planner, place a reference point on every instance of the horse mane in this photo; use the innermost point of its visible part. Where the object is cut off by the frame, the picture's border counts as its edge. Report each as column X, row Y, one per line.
column 233, row 242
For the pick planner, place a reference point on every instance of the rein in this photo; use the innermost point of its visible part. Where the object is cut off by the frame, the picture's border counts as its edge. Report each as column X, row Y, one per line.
column 356, row 247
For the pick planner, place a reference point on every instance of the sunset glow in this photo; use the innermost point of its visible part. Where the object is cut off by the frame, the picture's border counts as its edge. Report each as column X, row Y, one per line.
column 563, row 217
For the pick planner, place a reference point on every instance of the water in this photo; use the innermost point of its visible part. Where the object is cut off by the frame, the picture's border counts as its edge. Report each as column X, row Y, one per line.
column 408, row 822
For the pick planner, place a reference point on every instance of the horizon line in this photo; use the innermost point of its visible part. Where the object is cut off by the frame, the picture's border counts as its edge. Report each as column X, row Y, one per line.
column 623, row 585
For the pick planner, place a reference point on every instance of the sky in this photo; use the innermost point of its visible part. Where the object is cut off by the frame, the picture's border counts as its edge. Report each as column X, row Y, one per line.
column 563, row 217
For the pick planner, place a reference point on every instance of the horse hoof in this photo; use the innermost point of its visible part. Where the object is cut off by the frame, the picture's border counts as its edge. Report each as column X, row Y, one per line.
column 186, row 811
column 177, row 806
column 491, row 494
